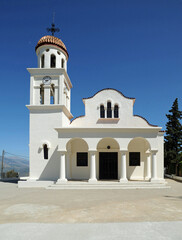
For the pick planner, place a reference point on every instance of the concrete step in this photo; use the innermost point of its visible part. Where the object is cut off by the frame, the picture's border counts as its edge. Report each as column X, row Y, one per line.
column 86, row 185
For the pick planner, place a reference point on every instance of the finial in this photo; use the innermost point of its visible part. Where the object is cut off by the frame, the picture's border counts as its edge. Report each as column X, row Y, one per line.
column 53, row 29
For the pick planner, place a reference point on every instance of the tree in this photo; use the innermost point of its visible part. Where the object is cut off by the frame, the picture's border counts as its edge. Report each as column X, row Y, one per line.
column 173, row 138
column 11, row 174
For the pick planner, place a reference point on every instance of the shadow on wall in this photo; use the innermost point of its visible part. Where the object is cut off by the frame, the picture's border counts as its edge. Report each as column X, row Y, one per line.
column 51, row 170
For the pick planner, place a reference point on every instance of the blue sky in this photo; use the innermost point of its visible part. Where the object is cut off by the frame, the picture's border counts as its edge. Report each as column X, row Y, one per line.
column 134, row 46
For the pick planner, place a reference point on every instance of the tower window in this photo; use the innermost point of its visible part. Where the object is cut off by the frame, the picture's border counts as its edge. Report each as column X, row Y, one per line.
column 52, row 99
column 102, row 111
column 42, row 61
column 62, row 63
column 53, row 61
column 45, row 151
column 109, row 110
column 41, row 94
column 116, row 114
column 58, row 52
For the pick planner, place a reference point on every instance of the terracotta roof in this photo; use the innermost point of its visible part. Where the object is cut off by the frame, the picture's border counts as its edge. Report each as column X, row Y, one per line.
column 51, row 40
column 110, row 89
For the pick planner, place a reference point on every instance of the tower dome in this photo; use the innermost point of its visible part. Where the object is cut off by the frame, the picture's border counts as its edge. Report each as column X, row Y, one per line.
column 54, row 41
column 51, row 53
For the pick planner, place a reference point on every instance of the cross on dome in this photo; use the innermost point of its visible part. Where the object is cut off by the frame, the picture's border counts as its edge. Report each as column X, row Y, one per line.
column 53, row 29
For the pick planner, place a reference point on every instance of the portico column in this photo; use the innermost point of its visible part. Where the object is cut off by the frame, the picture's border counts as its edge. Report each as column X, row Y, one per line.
column 123, row 167
column 148, row 175
column 154, row 166
column 68, row 164
column 62, row 173
column 92, row 167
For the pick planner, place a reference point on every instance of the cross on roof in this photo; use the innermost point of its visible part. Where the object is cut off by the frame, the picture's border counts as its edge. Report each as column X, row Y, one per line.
column 53, row 29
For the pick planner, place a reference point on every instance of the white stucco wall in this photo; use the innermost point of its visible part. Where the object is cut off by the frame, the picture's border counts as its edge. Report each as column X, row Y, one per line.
column 47, row 50
column 92, row 112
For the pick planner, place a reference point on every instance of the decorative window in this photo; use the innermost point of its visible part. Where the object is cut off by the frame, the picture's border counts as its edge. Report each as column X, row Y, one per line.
column 45, row 151
column 47, row 50
column 42, row 61
column 52, row 94
column 109, row 110
column 134, row 159
column 62, row 63
column 41, row 94
column 58, row 52
column 53, row 61
column 116, row 113
column 102, row 111
column 82, row 159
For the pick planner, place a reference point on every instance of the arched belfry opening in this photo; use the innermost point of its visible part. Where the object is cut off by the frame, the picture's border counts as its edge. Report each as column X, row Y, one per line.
column 109, row 110
column 52, row 94
column 116, row 112
column 102, row 111
column 42, row 60
column 62, row 63
column 53, row 61
column 41, row 94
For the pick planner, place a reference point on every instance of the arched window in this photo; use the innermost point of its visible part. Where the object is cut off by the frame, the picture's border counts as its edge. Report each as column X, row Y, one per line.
column 52, row 94
column 41, row 94
column 45, row 151
column 53, row 61
column 102, row 111
column 62, row 63
column 116, row 113
column 42, row 61
column 109, row 110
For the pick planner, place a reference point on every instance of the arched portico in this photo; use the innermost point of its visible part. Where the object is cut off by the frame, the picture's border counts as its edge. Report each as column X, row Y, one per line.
column 77, row 159
column 139, row 159
column 109, row 159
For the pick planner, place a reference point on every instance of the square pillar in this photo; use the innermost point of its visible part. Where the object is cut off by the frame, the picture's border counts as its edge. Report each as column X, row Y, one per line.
column 123, row 173
column 154, row 166
column 92, row 167
column 148, row 175
column 62, row 170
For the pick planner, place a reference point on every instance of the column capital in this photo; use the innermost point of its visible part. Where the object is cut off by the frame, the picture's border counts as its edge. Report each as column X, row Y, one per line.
column 148, row 153
column 123, row 151
column 47, row 86
column 154, row 151
column 92, row 151
column 62, row 151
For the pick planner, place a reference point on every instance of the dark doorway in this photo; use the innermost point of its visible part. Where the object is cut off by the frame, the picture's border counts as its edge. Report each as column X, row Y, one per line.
column 108, row 165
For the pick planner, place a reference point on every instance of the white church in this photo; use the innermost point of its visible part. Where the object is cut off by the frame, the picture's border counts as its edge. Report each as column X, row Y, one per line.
column 107, row 147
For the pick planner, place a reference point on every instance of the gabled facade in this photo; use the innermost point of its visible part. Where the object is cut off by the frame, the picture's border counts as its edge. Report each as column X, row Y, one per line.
column 108, row 143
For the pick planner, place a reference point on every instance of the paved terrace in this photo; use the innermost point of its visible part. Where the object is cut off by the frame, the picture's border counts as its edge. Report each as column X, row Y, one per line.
column 90, row 206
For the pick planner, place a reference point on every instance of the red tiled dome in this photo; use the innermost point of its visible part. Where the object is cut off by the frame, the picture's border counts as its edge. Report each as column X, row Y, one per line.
column 51, row 40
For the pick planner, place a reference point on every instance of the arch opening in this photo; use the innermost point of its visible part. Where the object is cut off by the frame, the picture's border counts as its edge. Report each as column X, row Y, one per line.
column 53, row 61
column 42, row 60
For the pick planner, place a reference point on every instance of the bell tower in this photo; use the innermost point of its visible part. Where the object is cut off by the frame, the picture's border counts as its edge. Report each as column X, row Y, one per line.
column 50, row 97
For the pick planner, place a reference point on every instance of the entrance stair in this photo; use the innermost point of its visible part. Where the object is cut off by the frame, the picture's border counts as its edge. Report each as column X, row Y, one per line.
column 108, row 185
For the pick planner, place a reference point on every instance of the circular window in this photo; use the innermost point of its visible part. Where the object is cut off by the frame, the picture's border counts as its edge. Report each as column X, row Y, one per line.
column 58, row 52
column 108, row 147
column 47, row 50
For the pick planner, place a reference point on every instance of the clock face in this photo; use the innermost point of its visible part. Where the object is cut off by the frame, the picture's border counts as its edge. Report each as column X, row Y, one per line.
column 46, row 80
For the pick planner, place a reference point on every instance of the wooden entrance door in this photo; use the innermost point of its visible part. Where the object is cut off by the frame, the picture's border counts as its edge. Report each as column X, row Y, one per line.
column 108, row 165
